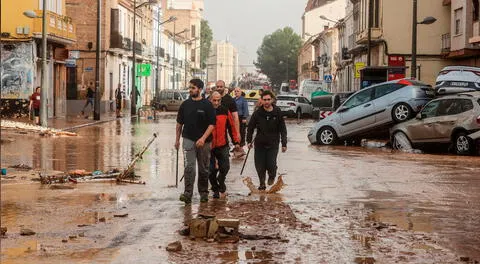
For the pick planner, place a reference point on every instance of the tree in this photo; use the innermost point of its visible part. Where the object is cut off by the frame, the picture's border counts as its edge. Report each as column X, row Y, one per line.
column 206, row 37
column 277, row 57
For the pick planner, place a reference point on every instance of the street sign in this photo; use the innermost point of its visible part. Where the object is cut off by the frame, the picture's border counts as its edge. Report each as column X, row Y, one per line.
column 327, row 78
column 74, row 54
column 144, row 69
column 358, row 67
column 70, row 63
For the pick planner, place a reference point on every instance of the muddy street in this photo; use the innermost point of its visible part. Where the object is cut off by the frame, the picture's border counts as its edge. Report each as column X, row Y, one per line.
column 339, row 205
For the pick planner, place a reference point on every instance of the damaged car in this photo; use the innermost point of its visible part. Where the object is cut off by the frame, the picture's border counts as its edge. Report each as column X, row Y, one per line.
column 447, row 120
column 372, row 109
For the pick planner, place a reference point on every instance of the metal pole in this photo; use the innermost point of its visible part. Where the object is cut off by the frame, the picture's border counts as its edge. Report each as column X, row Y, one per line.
column 96, row 107
column 413, row 73
column 185, row 65
column 369, row 33
column 157, row 83
column 174, row 77
column 133, row 108
column 288, row 56
column 44, row 89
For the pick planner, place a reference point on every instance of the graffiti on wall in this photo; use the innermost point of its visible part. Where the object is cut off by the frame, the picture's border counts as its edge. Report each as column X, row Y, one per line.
column 17, row 70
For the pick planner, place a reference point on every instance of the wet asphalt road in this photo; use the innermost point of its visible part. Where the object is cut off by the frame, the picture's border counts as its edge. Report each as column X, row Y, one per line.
column 340, row 205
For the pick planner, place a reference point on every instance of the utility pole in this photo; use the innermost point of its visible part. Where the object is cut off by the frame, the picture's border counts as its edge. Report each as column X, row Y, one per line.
column 413, row 73
column 157, row 77
column 369, row 33
column 44, row 89
column 96, row 108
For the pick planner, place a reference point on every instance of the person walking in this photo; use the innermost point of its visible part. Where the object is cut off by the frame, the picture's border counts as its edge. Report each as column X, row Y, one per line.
column 270, row 126
column 35, row 105
column 219, row 161
column 118, row 101
column 90, row 97
column 243, row 114
column 195, row 124
column 229, row 103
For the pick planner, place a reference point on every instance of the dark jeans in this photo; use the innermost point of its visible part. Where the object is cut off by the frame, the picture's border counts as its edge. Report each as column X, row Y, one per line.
column 243, row 129
column 201, row 156
column 218, row 175
column 266, row 160
column 89, row 102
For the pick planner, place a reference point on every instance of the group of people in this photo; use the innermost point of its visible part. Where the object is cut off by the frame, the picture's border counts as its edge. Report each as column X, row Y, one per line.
column 206, row 120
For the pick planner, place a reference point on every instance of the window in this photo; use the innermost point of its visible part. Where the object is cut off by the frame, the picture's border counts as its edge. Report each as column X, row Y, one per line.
column 386, row 89
column 449, row 107
column 359, row 99
column 430, row 110
column 458, row 21
column 194, row 32
column 475, row 10
column 466, row 104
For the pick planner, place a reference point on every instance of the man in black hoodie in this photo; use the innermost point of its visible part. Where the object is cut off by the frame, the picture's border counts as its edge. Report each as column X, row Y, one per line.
column 270, row 127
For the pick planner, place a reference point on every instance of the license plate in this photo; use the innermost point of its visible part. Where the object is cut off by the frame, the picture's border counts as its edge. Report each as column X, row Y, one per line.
column 459, row 84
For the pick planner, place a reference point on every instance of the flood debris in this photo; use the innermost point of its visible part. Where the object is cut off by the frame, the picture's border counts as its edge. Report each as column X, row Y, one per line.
column 174, row 246
column 21, row 167
column 129, row 173
column 276, row 187
column 120, row 215
column 26, row 232
column 75, row 176
column 25, row 127
column 61, row 187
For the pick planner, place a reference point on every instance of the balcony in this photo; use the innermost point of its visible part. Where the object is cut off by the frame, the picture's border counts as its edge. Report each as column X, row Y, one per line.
column 475, row 34
column 362, row 36
column 446, row 43
column 59, row 28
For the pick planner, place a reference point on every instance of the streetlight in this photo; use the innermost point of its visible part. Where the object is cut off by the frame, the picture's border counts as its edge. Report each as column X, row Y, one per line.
column 171, row 19
column 43, row 90
column 133, row 109
column 328, row 19
column 96, row 105
column 174, row 35
column 426, row 21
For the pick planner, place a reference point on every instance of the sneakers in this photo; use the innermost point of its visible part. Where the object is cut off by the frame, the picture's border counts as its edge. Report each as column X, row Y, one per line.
column 216, row 195
column 262, row 188
column 271, row 180
column 185, row 199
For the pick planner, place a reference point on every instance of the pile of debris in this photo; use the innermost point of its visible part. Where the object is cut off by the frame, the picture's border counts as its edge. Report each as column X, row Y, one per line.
column 44, row 131
column 75, row 176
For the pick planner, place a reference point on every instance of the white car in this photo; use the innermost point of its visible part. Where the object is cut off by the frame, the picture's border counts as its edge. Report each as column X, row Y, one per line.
column 457, row 79
column 294, row 105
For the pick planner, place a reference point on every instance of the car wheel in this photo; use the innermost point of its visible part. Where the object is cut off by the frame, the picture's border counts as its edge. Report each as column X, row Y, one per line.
column 327, row 136
column 299, row 113
column 164, row 108
column 401, row 112
column 463, row 145
column 401, row 142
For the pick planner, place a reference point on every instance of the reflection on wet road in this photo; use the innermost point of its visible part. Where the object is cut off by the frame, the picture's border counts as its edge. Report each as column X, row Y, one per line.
column 341, row 204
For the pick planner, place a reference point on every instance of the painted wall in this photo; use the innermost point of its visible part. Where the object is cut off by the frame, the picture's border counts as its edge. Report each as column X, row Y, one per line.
column 17, row 70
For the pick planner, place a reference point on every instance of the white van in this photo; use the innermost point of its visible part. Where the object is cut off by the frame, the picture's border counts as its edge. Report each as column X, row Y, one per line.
column 308, row 86
column 457, row 79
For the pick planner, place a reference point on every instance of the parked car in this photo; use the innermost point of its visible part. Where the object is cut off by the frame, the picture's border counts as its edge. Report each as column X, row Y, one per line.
column 375, row 106
column 170, row 99
column 457, row 79
column 447, row 120
column 475, row 137
column 294, row 105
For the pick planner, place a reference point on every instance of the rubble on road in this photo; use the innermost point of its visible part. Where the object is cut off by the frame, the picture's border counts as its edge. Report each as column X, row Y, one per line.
column 44, row 131
column 174, row 247
column 75, row 176
column 26, row 232
column 21, row 167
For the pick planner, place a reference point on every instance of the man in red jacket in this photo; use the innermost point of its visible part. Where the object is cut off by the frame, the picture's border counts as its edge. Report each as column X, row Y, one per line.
column 219, row 161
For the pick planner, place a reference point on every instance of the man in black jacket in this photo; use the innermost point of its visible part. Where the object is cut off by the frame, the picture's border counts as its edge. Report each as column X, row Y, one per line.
column 270, row 127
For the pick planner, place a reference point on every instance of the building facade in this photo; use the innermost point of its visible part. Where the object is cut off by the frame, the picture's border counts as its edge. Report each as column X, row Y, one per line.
column 222, row 63
column 21, row 55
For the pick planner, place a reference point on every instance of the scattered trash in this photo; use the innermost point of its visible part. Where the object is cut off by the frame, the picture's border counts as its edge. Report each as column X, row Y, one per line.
column 21, row 167
column 174, row 246
column 102, row 219
column 4, row 171
column 129, row 173
column 24, row 127
column 81, row 234
column 64, row 241
column 276, row 187
column 97, row 172
column 61, row 187
column 120, row 215
column 72, row 237
column 26, row 232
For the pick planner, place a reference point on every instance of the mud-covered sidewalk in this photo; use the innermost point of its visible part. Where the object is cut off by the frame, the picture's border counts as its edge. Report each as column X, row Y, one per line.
column 340, row 205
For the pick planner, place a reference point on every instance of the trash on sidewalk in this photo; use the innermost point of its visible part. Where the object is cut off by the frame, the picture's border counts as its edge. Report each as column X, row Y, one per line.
column 44, row 131
column 21, row 167
column 209, row 227
column 129, row 173
column 276, row 187
column 78, row 175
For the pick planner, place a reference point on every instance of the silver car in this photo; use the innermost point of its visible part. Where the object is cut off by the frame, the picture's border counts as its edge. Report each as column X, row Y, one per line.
column 375, row 106
column 447, row 120
column 294, row 105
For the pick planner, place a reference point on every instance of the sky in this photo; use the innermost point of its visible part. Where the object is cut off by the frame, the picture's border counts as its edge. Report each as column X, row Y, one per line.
column 245, row 22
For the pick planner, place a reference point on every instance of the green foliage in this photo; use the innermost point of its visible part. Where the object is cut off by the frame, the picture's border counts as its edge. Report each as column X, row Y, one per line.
column 206, row 37
column 278, row 55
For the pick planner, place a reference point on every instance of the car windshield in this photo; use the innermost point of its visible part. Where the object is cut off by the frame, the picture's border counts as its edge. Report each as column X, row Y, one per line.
column 285, row 98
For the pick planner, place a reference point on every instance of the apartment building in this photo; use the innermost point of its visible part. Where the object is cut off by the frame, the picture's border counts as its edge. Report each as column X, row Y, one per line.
column 223, row 62
column 461, row 40
column 20, row 48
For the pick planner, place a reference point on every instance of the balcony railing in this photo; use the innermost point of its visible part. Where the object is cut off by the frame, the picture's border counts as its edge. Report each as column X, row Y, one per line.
column 58, row 26
column 446, row 43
